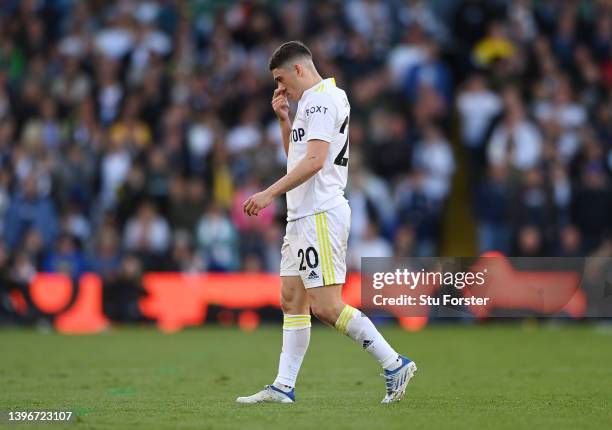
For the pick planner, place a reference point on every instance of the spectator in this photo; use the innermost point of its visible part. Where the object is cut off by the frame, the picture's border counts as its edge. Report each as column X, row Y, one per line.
column 494, row 220
column 187, row 202
column 218, row 241
column 371, row 245
column 416, row 208
column 33, row 248
column 434, row 157
column 74, row 223
column 8, row 312
column 432, row 73
column 182, row 256
column 530, row 242
column 66, row 258
column 129, row 130
column 131, row 193
column 201, row 138
column 115, row 166
column 495, row 46
column 71, row 86
column 408, row 53
column 121, row 293
column 404, row 244
column 147, row 232
column 516, row 140
column 570, row 242
column 272, row 236
column 478, row 105
column 112, row 105
column 106, row 257
column 158, row 178
column 592, row 207
column 563, row 112
column 28, row 209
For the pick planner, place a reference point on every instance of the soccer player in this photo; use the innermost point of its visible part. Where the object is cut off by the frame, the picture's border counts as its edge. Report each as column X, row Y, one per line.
column 313, row 265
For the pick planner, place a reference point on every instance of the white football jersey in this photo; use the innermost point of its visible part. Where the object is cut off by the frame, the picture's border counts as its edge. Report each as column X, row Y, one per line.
column 322, row 113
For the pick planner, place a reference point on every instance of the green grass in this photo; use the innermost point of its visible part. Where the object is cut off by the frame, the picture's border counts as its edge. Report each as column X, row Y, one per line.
column 469, row 377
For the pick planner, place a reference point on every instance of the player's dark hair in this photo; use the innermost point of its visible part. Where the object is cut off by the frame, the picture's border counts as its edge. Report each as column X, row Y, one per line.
column 288, row 51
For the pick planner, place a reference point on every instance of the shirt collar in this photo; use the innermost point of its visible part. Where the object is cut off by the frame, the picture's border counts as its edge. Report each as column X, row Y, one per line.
column 320, row 86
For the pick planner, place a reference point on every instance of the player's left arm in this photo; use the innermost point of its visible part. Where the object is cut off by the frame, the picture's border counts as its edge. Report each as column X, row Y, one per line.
column 316, row 154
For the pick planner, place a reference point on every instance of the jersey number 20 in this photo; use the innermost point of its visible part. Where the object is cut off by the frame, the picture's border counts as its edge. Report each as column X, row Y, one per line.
column 312, row 258
column 341, row 160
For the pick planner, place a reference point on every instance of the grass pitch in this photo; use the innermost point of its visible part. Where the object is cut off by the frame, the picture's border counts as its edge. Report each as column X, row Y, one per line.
column 492, row 376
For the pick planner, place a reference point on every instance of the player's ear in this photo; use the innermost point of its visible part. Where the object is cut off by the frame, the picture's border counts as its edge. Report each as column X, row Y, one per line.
column 299, row 70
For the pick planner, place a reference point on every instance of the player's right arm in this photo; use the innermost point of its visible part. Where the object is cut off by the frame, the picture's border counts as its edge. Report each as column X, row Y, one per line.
column 280, row 104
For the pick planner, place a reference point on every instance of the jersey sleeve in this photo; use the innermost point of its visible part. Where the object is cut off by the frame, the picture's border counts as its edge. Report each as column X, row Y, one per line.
column 321, row 117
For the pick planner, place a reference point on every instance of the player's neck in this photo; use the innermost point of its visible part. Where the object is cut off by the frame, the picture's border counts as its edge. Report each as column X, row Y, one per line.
column 312, row 80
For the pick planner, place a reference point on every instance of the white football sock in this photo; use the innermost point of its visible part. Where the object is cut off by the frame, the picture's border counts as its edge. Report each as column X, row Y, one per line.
column 296, row 337
column 358, row 327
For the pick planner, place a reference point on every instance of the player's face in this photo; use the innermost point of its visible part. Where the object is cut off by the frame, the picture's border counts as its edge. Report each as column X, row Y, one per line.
column 287, row 81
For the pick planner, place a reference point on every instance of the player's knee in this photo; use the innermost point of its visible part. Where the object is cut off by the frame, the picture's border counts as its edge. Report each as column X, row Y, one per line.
column 324, row 312
column 294, row 304
column 286, row 305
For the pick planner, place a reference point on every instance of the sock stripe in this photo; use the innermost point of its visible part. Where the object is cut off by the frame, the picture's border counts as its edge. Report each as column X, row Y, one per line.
column 344, row 318
column 289, row 328
column 296, row 317
column 343, row 315
column 296, row 321
column 296, row 326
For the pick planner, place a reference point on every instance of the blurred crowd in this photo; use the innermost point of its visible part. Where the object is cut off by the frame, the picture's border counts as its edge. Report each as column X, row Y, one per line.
column 132, row 131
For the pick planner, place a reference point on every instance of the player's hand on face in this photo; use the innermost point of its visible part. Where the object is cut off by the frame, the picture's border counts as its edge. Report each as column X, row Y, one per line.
column 256, row 203
column 280, row 104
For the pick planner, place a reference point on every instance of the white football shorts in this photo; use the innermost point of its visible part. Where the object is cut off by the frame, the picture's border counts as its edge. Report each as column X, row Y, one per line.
column 314, row 247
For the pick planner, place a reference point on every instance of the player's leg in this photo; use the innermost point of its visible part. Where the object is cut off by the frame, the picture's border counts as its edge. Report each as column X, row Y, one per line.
column 296, row 331
column 327, row 305
column 326, row 302
column 332, row 229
